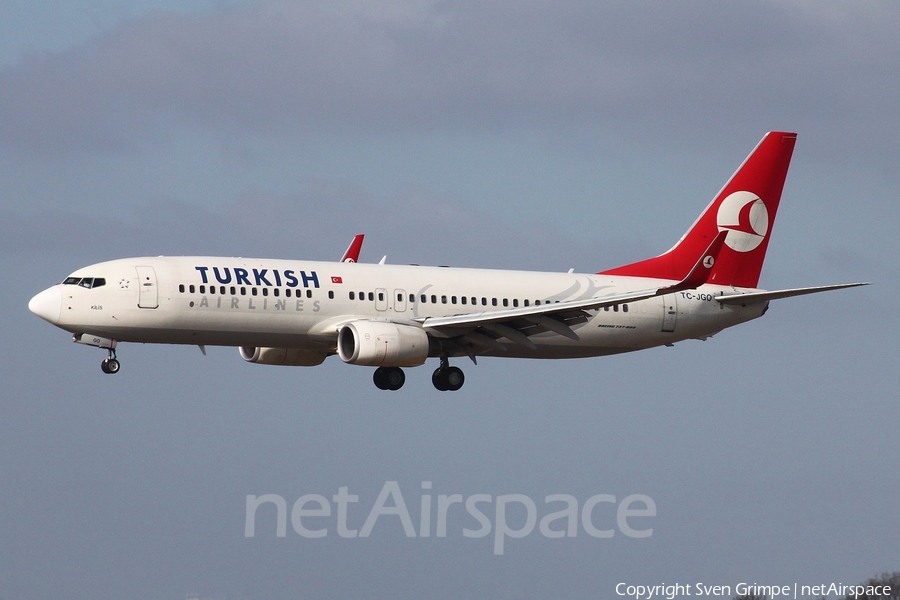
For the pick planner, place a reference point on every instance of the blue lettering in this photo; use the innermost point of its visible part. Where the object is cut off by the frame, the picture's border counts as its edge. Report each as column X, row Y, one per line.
column 277, row 277
column 240, row 276
column 290, row 279
column 261, row 277
column 226, row 279
column 307, row 278
column 203, row 271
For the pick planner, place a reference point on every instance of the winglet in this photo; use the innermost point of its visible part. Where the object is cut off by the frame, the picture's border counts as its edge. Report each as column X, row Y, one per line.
column 352, row 253
column 702, row 269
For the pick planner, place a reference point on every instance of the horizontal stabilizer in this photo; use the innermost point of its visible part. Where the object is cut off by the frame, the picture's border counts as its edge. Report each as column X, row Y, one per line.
column 777, row 294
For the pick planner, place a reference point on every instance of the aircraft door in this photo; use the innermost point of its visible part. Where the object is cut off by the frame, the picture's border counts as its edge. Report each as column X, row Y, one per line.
column 670, row 312
column 148, row 293
column 381, row 300
column 399, row 301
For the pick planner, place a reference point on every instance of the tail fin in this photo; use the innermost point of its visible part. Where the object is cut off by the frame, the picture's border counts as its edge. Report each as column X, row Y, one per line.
column 745, row 208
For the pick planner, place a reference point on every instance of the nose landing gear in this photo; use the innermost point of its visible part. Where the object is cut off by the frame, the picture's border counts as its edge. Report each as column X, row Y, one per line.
column 110, row 364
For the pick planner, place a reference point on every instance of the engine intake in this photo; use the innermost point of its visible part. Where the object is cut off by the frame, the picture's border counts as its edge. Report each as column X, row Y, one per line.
column 289, row 357
column 382, row 344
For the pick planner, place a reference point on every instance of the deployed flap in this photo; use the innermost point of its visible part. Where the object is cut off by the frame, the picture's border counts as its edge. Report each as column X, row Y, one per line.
column 766, row 296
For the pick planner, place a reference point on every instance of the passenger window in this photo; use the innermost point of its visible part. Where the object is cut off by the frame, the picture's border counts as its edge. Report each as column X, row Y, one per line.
column 275, row 292
column 412, row 298
column 351, row 296
column 309, row 293
column 615, row 308
column 624, row 308
column 526, row 303
column 493, row 302
column 505, row 302
column 265, row 291
column 192, row 289
column 181, row 288
column 331, row 294
column 399, row 297
column 484, row 301
column 243, row 291
column 381, row 296
column 433, row 299
column 371, row 296
column 202, row 289
column 233, row 291
column 222, row 289
column 253, row 291
column 463, row 299
column 287, row 293
column 423, row 298
column 516, row 302
column 453, row 300
column 443, row 299
column 537, row 302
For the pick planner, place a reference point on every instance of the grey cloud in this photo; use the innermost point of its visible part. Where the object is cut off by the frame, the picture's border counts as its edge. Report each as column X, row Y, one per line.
column 315, row 224
column 426, row 65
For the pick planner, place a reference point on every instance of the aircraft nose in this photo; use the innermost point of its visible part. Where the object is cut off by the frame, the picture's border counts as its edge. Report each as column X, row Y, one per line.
column 47, row 305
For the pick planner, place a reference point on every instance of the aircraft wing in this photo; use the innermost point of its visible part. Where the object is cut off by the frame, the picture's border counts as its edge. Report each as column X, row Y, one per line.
column 517, row 324
column 775, row 295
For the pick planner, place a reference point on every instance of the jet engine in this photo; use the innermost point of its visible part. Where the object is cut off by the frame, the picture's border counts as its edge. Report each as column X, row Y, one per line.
column 381, row 344
column 290, row 357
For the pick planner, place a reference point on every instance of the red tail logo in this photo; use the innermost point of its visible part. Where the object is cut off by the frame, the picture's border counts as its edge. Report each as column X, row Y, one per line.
column 745, row 208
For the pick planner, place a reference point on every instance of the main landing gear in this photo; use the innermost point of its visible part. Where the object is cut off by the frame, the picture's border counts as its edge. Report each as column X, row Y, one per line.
column 445, row 377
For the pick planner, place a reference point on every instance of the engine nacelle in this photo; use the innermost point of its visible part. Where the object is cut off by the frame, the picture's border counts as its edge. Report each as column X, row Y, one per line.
column 289, row 357
column 380, row 344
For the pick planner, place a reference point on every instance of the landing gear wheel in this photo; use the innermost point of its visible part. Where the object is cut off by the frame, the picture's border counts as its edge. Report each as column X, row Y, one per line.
column 437, row 379
column 448, row 379
column 389, row 378
column 454, row 378
column 110, row 366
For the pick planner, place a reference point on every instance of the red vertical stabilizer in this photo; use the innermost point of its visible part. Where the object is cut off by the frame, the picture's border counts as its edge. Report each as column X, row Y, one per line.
column 745, row 208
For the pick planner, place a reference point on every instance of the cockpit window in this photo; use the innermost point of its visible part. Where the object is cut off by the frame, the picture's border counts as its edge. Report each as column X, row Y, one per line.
column 85, row 282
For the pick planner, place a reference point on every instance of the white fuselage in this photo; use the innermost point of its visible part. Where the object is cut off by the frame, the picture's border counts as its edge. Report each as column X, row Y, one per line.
column 301, row 304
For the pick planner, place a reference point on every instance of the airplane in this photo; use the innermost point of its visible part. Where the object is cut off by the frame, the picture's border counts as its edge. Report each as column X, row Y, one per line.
column 298, row 313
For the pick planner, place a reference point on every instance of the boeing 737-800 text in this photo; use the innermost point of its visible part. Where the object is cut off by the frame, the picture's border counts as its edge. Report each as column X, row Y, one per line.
column 294, row 312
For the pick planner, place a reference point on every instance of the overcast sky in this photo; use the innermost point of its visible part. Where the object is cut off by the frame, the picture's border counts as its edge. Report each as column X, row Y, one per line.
column 521, row 135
